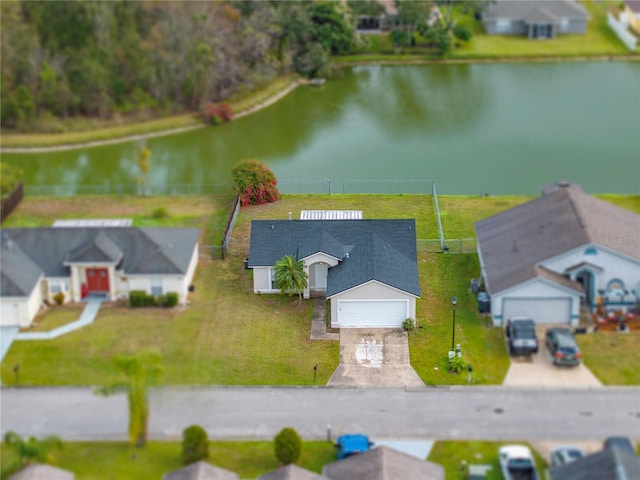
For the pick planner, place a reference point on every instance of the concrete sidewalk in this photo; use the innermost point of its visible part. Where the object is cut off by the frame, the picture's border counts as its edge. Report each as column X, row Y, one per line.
column 319, row 322
column 87, row 317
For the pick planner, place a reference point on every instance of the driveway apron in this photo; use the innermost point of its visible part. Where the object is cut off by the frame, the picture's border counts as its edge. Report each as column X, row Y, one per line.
column 376, row 357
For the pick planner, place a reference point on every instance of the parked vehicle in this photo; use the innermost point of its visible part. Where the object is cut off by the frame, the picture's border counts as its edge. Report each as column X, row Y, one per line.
column 566, row 454
column 348, row 445
column 562, row 346
column 521, row 336
column 516, row 463
column 621, row 443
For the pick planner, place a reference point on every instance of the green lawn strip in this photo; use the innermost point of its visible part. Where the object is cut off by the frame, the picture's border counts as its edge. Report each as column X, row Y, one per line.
column 118, row 460
column 56, row 316
column 451, row 454
column 96, row 130
column 612, row 357
column 207, row 212
column 629, row 202
column 443, row 276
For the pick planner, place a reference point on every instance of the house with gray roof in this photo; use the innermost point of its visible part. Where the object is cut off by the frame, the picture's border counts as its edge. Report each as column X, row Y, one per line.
column 535, row 19
column 610, row 463
column 547, row 257
column 201, row 471
column 38, row 263
column 366, row 268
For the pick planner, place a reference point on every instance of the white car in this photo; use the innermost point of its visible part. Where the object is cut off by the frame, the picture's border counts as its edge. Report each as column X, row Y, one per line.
column 517, row 463
column 566, row 454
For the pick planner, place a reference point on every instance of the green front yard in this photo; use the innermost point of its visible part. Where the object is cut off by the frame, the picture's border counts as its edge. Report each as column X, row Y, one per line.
column 228, row 335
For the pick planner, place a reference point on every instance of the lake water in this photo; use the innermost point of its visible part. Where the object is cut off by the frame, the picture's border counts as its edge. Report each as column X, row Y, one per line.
column 472, row 128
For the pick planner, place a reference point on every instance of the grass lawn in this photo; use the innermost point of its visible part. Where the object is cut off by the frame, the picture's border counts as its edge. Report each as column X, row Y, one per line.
column 612, row 357
column 451, row 454
column 55, row 317
column 117, row 460
column 230, row 336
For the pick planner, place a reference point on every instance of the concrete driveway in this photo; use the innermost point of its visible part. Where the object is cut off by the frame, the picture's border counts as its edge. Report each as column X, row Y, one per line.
column 374, row 357
column 539, row 370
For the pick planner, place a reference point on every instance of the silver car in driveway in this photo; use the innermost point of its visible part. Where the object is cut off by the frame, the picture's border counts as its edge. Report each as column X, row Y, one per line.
column 562, row 346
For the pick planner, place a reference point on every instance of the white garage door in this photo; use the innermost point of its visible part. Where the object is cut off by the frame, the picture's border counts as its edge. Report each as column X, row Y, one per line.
column 372, row 313
column 551, row 310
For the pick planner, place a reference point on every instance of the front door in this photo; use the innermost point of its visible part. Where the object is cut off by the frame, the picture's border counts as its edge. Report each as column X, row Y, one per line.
column 98, row 279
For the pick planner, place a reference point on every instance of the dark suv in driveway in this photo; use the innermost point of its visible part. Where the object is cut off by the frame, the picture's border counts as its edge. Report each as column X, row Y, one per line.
column 521, row 336
column 562, row 346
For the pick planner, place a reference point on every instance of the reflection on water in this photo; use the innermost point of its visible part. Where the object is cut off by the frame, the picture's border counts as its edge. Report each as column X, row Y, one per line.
column 494, row 128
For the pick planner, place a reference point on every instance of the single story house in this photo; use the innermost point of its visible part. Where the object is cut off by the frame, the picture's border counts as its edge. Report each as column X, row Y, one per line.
column 366, row 268
column 546, row 257
column 38, row 263
column 607, row 463
column 535, row 19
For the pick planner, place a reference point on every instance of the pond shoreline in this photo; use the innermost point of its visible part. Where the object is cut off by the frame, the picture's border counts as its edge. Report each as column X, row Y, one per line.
column 292, row 86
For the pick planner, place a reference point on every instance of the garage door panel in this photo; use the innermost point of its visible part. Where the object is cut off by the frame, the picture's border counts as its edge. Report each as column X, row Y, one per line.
column 548, row 310
column 369, row 313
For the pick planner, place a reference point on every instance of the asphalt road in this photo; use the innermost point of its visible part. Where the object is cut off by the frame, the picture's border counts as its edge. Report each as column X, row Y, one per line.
column 489, row 413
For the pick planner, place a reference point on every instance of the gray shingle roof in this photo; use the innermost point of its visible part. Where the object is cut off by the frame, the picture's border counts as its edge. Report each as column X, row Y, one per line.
column 534, row 10
column 143, row 250
column 291, row 472
column 200, row 471
column 610, row 463
column 383, row 463
column 19, row 275
column 383, row 250
column 514, row 242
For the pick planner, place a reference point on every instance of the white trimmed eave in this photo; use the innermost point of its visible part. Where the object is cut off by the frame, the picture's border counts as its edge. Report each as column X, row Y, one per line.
column 374, row 281
column 534, row 280
column 320, row 253
column 590, row 245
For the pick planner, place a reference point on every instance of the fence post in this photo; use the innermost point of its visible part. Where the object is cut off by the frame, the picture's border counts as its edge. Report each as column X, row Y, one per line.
column 435, row 203
column 329, row 183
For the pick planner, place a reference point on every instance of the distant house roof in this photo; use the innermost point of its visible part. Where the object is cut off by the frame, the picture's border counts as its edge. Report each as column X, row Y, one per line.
column 382, row 250
column 383, row 463
column 291, row 472
column 535, row 11
column 27, row 253
column 514, row 242
column 634, row 5
column 608, row 463
column 201, row 471
column 38, row 471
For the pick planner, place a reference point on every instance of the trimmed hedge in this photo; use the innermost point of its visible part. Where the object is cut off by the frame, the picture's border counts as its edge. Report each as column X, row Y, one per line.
column 140, row 298
column 288, row 446
column 137, row 298
column 195, row 444
column 171, row 299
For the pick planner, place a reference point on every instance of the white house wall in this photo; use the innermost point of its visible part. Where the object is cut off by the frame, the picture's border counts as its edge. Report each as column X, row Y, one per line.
column 614, row 266
column 20, row 311
column 262, row 280
column 534, row 290
column 65, row 287
column 372, row 291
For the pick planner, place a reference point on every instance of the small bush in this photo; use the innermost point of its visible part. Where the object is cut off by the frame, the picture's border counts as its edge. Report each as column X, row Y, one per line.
column 137, row 298
column 59, row 298
column 171, row 300
column 217, row 113
column 160, row 300
column 408, row 325
column 457, row 364
column 255, row 183
column 160, row 213
column 149, row 300
column 288, row 446
column 462, row 33
column 195, row 445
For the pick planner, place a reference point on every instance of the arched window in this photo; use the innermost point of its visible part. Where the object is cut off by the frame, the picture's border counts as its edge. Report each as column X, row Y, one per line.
column 591, row 251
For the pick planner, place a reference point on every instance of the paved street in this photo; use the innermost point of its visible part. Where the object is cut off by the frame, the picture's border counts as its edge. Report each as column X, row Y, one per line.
column 491, row 413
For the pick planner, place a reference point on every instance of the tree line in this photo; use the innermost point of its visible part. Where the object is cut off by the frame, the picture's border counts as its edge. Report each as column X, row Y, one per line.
column 100, row 59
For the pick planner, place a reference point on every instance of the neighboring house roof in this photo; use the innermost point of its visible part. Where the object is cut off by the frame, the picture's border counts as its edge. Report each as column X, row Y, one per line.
column 37, row 471
column 200, row 471
column 160, row 251
column 291, row 472
column 608, row 463
column 634, row 5
column 382, row 250
column 383, row 463
column 513, row 243
column 533, row 11
column 18, row 274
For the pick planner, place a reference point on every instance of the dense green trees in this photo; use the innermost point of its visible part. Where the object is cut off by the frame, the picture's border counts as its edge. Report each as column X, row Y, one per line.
column 103, row 59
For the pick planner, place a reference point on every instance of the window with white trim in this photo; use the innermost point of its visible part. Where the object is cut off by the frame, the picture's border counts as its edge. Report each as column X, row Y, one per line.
column 55, row 288
column 503, row 26
column 272, row 276
column 156, row 286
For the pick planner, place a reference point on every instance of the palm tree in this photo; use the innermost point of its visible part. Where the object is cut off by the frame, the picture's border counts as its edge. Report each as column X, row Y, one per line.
column 32, row 449
column 290, row 276
column 141, row 372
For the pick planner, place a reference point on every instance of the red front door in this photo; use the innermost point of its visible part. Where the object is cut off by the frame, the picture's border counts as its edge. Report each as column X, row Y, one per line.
column 98, row 279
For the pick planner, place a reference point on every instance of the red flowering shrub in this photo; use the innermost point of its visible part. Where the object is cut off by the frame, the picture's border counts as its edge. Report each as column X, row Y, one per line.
column 254, row 183
column 217, row 113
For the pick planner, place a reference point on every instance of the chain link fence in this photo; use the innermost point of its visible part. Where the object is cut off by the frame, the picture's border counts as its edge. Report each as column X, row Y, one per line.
column 458, row 245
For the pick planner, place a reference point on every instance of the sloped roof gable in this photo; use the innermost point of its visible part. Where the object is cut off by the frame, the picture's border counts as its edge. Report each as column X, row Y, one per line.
column 531, row 10
column 18, row 274
column 100, row 249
